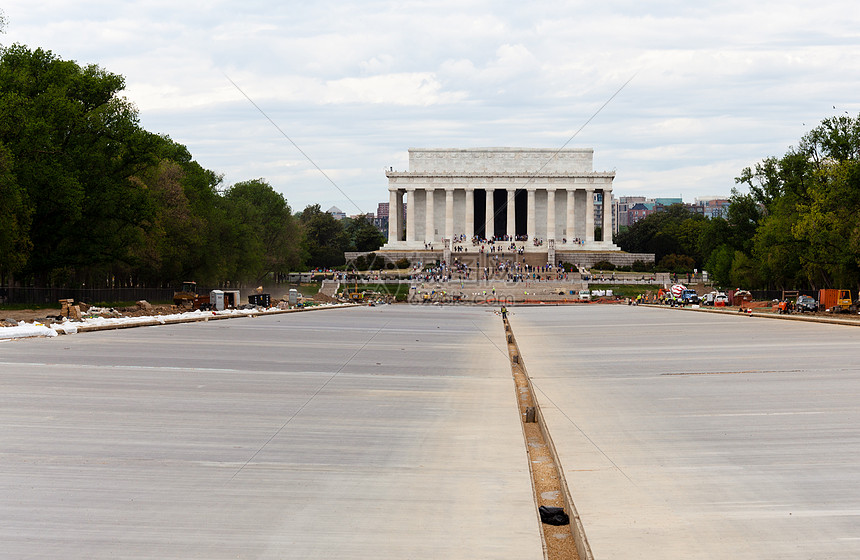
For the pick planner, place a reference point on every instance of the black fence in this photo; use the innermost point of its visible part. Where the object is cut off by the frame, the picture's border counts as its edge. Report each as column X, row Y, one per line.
column 764, row 295
column 51, row 296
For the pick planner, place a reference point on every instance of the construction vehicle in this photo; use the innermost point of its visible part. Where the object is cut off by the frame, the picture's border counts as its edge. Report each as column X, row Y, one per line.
column 188, row 298
column 353, row 295
column 835, row 301
column 689, row 296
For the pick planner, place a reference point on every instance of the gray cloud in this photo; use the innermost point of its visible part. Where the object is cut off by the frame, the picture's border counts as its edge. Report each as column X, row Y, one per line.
column 718, row 86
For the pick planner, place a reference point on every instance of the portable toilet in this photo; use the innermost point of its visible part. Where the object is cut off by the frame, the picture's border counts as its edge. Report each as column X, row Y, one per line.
column 293, row 297
column 216, row 299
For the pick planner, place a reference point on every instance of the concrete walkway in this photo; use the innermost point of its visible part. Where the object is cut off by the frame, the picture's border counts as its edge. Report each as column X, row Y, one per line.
column 388, row 432
column 694, row 435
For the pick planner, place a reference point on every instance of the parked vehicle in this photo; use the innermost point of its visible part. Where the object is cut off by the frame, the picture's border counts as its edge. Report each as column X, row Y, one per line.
column 721, row 300
column 805, row 303
column 689, row 296
column 709, row 298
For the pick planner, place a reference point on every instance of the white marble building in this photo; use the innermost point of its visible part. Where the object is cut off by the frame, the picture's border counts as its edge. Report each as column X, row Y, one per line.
column 507, row 193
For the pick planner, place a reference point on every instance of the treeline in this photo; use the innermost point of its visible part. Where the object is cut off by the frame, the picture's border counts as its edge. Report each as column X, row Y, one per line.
column 797, row 227
column 91, row 198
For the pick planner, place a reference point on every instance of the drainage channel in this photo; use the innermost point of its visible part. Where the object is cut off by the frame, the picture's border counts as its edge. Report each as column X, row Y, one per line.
column 565, row 541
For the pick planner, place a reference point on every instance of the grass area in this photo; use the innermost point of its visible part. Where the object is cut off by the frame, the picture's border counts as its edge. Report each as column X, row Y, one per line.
column 399, row 291
column 626, row 290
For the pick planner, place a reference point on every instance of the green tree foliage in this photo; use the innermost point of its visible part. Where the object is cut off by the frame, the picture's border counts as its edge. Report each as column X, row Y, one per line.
column 363, row 235
column 15, row 217
column 89, row 197
column 264, row 232
column 719, row 264
column 674, row 231
column 75, row 146
column 807, row 231
column 677, row 263
column 828, row 226
column 797, row 226
column 325, row 238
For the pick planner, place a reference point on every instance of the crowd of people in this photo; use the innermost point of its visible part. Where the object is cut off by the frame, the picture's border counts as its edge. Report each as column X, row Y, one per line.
column 459, row 243
column 498, row 268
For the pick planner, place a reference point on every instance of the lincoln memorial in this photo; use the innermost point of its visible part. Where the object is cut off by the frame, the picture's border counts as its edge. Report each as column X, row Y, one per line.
column 541, row 199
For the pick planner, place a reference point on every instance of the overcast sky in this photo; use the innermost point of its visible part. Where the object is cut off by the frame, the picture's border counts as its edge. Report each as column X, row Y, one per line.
column 718, row 85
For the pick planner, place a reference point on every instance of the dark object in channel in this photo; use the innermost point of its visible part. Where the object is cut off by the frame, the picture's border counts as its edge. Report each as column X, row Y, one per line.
column 553, row 515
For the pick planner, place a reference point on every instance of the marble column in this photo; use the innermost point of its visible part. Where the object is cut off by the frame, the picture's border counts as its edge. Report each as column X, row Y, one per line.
column 571, row 215
column 401, row 219
column 512, row 216
column 550, row 214
column 607, row 215
column 470, row 213
column 449, row 214
column 589, row 215
column 530, row 220
column 430, row 222
column 489, row 217
column 410, row 215
column 393, row 217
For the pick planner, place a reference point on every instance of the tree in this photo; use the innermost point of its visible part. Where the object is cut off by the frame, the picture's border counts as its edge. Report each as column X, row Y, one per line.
column 677, row 263
column 800, row 222
column 15, row 218
column 829, row 226
column 363, row 235
column 672, row 231
column 265, row 232
column 719, row 265
column 90, row 197
column 325, row 239
column 744, row 272
column 76, row 146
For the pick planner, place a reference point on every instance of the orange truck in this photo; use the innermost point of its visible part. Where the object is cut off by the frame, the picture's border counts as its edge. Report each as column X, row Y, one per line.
column 835, row 300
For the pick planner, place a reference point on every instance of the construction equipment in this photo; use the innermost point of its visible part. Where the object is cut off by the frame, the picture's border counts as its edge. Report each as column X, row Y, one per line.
column 835, row 301
column 353, row 295
column 188, row 298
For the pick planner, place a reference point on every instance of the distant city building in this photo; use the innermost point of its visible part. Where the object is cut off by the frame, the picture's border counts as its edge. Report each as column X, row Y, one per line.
column 638, row 211
column 713, row 207
column 337, row 213
column 621, row 209
column 598, row 210
column 630, row 209
column 382, row 210
column 381, row 220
